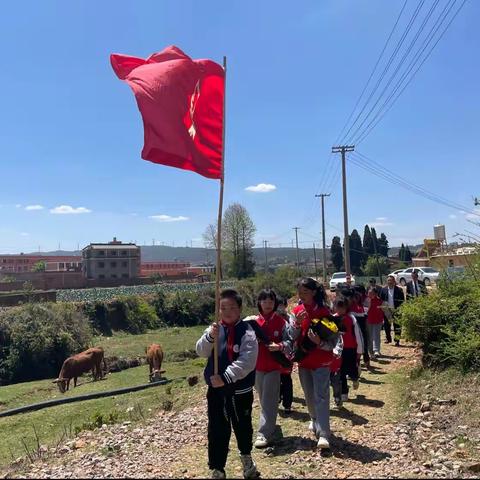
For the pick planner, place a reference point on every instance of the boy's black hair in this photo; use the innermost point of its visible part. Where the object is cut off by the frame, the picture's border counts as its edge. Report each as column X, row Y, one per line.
column 347, row 293
column 282, row 301
column 341, row 302
column 233, row 294
column 360, row 289
column 320, row 295
column 373, row 280
column 267, row 293
column 375, row 289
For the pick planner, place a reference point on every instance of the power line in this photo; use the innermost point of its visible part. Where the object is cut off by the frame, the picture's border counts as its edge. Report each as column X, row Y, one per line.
column 384, row 107
column 385, row 70
column 398, row 67
column 372, row 73
column 382, row 172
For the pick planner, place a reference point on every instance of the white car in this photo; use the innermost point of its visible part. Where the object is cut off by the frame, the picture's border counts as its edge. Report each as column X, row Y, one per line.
column 396, row 273
column 339, row 277
column 427, row 274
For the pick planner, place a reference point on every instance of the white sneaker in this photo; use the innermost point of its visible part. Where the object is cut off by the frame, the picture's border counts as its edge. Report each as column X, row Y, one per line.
column 249, row 467
column 344, row 397
column 323, row 443
column 261, row 441
column 311, row 426
column 217, row 474
column 355, row 384
column 376, row 355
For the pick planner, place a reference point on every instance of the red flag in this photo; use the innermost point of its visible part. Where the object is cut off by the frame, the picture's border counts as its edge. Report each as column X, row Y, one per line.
column 181, row 102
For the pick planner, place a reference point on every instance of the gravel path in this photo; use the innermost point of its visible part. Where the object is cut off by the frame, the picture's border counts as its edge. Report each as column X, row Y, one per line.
column 369, row 440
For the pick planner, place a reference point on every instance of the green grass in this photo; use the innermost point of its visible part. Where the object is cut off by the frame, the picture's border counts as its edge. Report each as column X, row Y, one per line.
column 174, row 340
column 51, row 423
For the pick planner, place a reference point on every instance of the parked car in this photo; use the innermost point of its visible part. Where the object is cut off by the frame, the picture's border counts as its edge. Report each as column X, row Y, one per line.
column 396, row 273
column 339, row 278
column 428, row 274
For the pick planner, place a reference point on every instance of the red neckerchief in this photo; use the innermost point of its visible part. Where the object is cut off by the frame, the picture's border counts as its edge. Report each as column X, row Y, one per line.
column 230, row 338
column 264, row 319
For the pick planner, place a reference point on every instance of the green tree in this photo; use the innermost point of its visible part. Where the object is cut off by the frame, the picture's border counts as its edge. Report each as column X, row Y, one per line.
column 383, row 245
column 336, row 254
column 368, row 247
column 39, row 266
column 408, row 255
column 238, row 239
column 374, row 240
column 356, row 253
column 401, row 253
column 371, row 268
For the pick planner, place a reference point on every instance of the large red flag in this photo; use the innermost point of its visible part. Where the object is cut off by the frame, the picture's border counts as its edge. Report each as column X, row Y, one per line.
column 181, row 102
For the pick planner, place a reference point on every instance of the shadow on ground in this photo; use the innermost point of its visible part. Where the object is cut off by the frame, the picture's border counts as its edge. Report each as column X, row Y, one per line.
column 349, row 415
column 362, row 400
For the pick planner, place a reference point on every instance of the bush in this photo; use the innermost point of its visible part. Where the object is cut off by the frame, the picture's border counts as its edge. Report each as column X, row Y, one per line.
column 187, row 309
column 371, row 268
column 447, row 324
column 36, row 338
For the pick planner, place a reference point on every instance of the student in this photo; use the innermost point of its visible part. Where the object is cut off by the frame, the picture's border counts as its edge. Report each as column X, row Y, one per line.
column 314, row 368
column 286, row 383
column 268, row 370
column 360, row 314
column 335, row 375
column 394, row 297
column 352, row 346
column 375, row 320
column 230, row 393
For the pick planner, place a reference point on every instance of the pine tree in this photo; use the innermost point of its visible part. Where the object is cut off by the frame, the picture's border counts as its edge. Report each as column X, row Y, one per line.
column 401, row 253
column 408, row 255
column 356, row 253
column 368, row 248
column 374, row 240
column 383, row 245
column 336, row 254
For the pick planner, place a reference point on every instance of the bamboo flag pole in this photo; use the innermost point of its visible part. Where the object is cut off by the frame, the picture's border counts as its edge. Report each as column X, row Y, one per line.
column 218, row 269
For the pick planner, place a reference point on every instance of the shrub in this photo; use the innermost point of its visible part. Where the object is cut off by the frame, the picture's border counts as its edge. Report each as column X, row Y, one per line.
column 36, row 338
column 187, row 309
column 447, row 324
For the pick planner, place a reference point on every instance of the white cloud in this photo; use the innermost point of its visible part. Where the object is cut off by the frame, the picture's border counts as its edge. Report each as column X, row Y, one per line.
column 452, row 216
column 381, row 219
column 68, row 210
column 18, row 205
column 24, row 234
column 261, row 188
column 381, row 222
column 34, row 207
column 168, row 218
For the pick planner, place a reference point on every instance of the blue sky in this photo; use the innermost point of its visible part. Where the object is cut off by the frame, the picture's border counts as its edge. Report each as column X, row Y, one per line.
column 71, row 134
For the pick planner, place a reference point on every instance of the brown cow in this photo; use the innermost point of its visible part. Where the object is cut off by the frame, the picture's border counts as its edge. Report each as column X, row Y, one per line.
column 78, row 364
column 155, row 358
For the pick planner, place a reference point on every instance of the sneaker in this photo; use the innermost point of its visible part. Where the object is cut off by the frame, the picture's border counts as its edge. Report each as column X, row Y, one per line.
column 323, row 443
column 261, row 441
column 397, row 343
column 376, row 355
column 311, row 426
column 338, row 402
column 344, row 397
column 217, row 473
column 249, row 467
column 367, row 364
column 355, row 384
column 388, row 341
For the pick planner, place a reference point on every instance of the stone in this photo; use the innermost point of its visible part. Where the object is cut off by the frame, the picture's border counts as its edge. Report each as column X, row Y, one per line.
column 425, row 406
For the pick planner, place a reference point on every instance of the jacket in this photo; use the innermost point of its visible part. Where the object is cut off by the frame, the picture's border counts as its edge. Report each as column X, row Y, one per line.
column 422, row 289
column 239, row 372
column 375, row 314
column 398, row 296
column 322, row 355
column 352, row 336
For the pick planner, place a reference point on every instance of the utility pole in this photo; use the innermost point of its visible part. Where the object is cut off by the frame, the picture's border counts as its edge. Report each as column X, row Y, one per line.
column 266, row 259
column 324, row 252
column 343, row 149
column 315, row 260
column 296, row 238
column 376, row 259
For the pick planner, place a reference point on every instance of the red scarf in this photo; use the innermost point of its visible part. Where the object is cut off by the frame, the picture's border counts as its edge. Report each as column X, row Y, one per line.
column 230, row 338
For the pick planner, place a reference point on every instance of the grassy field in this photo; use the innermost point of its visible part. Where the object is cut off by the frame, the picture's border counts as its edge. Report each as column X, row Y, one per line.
column 53, row 423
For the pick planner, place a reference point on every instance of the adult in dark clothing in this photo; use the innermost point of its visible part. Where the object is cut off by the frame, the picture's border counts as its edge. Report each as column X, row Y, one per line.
column 416, row 287
column 393, row 295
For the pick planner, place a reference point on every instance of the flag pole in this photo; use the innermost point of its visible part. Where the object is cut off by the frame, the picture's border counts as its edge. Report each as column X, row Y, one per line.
column 218, row 269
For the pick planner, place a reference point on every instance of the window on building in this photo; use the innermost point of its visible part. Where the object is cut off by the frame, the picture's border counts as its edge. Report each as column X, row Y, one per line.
column 61, row 265
column 124, row 264
column 114, row 253
column 101, row 264
column 101, row 276
column 124, row 253
column 124, row 275
column 114, row 275
column 101, row 253
column 113, row 264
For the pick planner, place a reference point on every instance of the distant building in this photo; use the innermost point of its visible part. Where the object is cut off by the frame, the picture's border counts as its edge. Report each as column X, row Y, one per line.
column 174, row 269
column 113, row 260
column 26, row 263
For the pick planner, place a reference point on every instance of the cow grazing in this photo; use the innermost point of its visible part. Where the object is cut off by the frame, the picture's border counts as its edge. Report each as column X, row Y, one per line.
column 78, row 364
column 155, row 358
